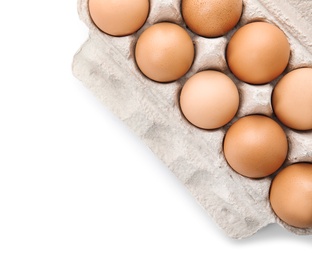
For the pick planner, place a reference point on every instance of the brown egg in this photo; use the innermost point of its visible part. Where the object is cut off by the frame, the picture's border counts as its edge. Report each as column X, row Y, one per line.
column 291, row 195
column 211, row 18
column 119, row 17
column 255, row 146
column 164, row 52
column 209, row 99
column 258, row 53
column 292, row 99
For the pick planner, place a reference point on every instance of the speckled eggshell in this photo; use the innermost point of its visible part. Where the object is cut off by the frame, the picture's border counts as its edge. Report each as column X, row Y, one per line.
column 211, row 18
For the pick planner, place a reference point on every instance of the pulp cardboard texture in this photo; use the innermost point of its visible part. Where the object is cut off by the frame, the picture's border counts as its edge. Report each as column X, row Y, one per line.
column 106, row 65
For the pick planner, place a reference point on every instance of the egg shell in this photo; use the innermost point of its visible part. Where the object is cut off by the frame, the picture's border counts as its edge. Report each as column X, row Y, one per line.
column 292, row 99
column 209, row 99
column 291, row 195
column 119, row 17
column 255, row 146
column 211, row 18
column 164, row 52
column 258, row 52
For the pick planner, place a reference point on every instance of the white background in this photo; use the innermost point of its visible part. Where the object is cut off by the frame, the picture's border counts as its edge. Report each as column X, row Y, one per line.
column 75, row 182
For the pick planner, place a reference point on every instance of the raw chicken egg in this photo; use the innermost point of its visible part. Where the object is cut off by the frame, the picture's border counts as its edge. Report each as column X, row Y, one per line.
column 164, row 52
column 292, row 99
column 291, row 195
column 258, row 53
column 209, row 99
column 119, row 17
column 255, row 146
column 211, row 18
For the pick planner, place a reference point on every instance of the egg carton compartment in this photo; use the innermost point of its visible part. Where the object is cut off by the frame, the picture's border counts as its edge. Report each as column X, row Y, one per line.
column 107, row 66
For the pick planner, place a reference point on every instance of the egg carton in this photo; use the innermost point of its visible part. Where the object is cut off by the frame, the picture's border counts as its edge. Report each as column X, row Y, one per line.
column 106, row 65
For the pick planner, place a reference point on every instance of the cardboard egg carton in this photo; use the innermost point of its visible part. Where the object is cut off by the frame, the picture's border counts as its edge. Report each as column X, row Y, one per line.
column 106, row 65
